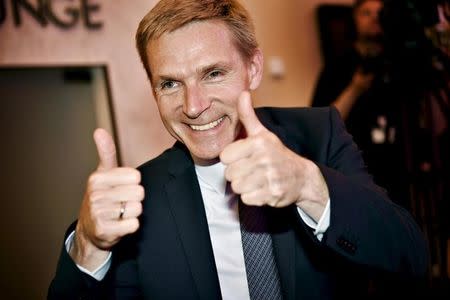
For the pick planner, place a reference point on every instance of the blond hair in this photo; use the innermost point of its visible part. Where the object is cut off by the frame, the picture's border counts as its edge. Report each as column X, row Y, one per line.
column 169, row 15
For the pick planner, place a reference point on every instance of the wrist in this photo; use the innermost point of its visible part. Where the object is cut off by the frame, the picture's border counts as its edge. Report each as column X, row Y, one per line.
column 85, row 253
column 314, row 193
column 355, row 90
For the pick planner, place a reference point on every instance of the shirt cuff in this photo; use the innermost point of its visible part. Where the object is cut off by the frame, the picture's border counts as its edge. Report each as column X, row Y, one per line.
column 321, row 226
column 98, row 273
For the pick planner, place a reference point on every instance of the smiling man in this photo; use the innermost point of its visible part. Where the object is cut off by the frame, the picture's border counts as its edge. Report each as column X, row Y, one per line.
column 267, row 204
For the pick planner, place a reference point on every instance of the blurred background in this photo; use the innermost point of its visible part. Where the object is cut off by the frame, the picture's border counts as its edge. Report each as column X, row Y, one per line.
column 67, row 67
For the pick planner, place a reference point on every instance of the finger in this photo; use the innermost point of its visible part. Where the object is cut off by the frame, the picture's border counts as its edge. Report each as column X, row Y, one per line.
column 247, row 115
column 118, row 194
column 113, row 177
column 236, row 151
column 112, row 231
column 106, row 149
column 263, row 196
column 125, row 226
column 248, row 184
column 131, row 209
column 239, row 169
column 255, row 197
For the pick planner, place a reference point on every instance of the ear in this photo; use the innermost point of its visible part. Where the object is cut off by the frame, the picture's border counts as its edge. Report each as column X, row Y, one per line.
column 255, row 69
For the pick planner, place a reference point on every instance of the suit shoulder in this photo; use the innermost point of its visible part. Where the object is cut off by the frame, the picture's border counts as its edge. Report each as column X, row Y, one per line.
column 157, row 164
column 304, row 117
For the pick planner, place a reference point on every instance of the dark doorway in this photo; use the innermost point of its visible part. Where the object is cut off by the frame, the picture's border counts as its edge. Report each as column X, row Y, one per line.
column 47, row 118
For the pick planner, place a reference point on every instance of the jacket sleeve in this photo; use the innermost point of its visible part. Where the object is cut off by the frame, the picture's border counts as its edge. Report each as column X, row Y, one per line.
column 366, row 227
column 71, row 283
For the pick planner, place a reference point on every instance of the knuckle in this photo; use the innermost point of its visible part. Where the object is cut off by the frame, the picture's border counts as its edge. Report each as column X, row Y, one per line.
column 235, row 186
column 274, row 185
column 249, row 200
column 140, row 192
column 139, row 208
column 100, row 231
column 272, row 137
column 134, row 225
column 94, row 179
column 228, row 172
column 274, row 203
column 231, row 172
column 259, row 141
column 95, row 196
column 276, row 191
column 223, row 156
column 264, row 162
column 136, row 176
column 258, row 203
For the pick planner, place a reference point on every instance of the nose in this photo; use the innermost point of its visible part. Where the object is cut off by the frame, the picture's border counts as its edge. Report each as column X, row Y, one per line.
column 195, row 101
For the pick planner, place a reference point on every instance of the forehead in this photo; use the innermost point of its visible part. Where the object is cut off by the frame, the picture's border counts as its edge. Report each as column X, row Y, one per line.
column 197, row 42
column 369, row 4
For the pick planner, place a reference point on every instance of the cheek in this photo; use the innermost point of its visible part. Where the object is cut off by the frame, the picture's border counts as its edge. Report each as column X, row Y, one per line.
column 230, row 91
column 167, row 105
column 166, row 112
column 162, row 110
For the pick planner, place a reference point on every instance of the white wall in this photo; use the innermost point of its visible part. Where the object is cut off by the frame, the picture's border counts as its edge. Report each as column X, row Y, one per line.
column 287, row 29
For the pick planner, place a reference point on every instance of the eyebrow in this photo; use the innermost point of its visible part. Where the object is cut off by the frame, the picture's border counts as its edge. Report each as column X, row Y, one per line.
column 220, row 65
column 202, row 70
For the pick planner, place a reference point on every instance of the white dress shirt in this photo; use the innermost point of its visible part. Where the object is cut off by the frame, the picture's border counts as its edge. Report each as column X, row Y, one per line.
column 224, row 228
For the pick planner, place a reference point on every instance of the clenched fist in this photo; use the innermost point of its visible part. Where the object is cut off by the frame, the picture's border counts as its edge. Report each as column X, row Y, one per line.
column 263, row 171
column 111, row 206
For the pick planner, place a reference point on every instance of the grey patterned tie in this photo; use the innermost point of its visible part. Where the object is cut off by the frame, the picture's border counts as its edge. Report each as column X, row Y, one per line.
column 262, row 273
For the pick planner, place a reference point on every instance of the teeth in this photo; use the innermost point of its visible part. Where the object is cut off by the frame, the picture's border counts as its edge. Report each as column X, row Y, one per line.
column 207, row 126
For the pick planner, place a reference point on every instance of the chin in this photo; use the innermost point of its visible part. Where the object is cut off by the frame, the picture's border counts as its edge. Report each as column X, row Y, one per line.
column 206, row 156
column 204, row 160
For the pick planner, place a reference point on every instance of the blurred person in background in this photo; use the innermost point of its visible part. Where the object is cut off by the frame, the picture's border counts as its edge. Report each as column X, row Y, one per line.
column 358, row 85
column 396, row 104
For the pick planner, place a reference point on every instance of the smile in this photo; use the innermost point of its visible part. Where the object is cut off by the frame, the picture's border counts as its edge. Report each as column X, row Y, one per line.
column 207, row 126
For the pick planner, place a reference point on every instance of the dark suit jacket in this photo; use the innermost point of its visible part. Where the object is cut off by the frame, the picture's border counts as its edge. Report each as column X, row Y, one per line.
column 171, row 257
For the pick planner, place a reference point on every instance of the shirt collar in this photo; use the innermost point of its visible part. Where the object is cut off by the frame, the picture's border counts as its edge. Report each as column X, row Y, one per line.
column 213, row 175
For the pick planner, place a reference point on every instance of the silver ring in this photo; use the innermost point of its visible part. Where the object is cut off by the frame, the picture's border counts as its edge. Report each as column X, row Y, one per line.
column 122, row 209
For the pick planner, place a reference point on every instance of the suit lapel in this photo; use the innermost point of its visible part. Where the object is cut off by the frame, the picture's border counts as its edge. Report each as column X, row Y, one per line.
column 188, row 211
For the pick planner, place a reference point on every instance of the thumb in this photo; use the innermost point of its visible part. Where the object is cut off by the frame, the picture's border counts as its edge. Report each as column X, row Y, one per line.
column 106, row 149
column 247, row 115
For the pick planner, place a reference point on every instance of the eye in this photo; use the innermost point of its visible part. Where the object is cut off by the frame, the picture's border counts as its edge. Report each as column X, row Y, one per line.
column 214, row 74
column 168, row 84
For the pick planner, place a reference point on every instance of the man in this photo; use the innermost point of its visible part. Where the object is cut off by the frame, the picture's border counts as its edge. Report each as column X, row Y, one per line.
column 183, row 226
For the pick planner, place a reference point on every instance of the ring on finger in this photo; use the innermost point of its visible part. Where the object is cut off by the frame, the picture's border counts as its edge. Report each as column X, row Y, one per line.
column 122, row 209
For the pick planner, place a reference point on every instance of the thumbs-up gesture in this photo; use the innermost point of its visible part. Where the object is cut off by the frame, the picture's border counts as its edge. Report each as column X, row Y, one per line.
column 110, row 207
column 265, row 172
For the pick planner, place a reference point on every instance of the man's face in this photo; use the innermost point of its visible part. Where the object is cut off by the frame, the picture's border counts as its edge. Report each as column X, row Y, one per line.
column 197, row 77
column 367, row 19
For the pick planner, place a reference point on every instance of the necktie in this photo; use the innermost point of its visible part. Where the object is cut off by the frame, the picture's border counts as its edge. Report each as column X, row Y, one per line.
column 262, row 273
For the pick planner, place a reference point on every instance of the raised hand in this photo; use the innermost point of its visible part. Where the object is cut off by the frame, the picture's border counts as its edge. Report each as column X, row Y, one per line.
column 111, row 206
column 265, row 172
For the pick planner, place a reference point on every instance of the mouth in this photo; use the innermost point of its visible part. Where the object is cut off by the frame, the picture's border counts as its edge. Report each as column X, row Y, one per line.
column 207, row 126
